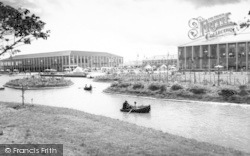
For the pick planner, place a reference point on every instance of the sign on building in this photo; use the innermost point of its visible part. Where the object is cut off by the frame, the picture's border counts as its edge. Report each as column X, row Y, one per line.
column 212, row 27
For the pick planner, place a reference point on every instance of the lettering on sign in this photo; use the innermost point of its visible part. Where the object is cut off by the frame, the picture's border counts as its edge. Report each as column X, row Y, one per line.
column 211, row 27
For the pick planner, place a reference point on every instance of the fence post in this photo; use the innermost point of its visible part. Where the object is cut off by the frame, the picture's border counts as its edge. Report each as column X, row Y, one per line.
column 210, row 77
column 199, row 77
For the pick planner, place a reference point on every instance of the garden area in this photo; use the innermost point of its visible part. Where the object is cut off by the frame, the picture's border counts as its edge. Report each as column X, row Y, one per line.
column 38, row 83
column 203, row 78
column 232, row 88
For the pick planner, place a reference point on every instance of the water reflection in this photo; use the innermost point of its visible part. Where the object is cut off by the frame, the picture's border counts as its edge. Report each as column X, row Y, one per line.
column 226, row 125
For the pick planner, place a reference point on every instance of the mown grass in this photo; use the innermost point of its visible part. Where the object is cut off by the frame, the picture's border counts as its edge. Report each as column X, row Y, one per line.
column 85, row 134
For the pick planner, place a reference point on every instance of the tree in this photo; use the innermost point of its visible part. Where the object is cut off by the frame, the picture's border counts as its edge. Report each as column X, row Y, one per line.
column 21, row 25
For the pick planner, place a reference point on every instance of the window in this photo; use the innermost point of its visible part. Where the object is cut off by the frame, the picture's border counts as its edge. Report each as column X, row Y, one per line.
column 213, row 55
column 205, row 56
column 241, row 56
column 189, row 57
column 196, row 57
column 223, row 56
column 232, row 56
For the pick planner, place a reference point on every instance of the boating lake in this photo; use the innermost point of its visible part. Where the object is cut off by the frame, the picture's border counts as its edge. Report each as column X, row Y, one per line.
column 222, row 124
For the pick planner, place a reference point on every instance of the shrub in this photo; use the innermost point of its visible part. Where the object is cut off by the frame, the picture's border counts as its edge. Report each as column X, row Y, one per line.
column 176, row 87
column 227, row 92
column 154, row 86
column 138, row 86
column 242, row 87
column 114, row 84
column 235, row 98
column 163, row 88
column 243, row 91
column 198, row 89
column 124, row 85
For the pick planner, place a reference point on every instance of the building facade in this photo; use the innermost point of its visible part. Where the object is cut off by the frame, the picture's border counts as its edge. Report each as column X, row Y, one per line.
column 232, row 52
column 217, row 41
column 61, row 60
column 160, row 60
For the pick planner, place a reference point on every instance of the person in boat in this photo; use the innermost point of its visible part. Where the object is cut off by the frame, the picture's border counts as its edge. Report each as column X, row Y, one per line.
column 90, row 86
column 126, row 105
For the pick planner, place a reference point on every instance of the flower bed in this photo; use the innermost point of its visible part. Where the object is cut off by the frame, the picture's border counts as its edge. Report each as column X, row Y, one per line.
column 38, row 83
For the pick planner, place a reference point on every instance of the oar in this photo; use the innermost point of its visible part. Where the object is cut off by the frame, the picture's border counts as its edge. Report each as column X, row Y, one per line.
column 130, row 111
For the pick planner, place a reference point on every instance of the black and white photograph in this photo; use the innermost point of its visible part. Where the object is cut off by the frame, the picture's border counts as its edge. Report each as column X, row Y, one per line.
column 124, row 77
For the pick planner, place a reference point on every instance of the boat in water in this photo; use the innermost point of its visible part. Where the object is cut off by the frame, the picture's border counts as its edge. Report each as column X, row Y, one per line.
column 138, row 109
column 88, row 88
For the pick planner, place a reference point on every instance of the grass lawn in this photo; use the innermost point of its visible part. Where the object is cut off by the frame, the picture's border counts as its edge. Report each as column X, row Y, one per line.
column 85, row 134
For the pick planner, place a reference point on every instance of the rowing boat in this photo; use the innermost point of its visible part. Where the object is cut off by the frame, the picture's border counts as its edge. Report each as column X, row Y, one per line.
column 138, row 109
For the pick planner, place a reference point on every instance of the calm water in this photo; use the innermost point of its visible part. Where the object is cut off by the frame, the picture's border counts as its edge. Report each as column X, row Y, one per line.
column 226, row 125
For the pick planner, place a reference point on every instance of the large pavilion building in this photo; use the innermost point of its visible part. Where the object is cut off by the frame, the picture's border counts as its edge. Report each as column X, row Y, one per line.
column 61, row 60
column 216, row 42
column 232, row 52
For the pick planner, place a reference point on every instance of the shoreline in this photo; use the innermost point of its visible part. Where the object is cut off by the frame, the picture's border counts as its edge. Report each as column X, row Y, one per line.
column 86, row 134
column 175, row 96
column 37, row 88
column 175, row 100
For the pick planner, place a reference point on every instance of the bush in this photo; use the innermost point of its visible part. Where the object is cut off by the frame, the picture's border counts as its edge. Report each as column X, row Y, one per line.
column 138, row 86
column 242, row 87
column 227, row 92
column 176, row 87
column 114, row 84
column 235, row 98
column 163, row 88
column 198, row 89
column 154, row 86
column 124, row 85
column 243, row 91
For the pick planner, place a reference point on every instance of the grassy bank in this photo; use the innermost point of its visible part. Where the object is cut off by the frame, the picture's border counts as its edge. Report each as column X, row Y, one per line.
column 85, row 134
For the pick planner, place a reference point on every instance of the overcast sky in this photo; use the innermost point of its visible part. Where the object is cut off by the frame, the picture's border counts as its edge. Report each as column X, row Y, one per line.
column 123, row 27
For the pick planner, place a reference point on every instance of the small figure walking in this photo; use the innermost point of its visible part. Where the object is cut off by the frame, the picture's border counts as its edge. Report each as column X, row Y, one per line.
column 135, row 104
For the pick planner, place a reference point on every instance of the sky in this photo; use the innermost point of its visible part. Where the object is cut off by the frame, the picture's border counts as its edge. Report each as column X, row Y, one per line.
column 129, row 28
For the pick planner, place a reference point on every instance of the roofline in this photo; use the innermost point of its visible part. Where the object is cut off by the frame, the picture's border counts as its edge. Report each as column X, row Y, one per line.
column 69, row 51
column 242, row 41
column 224, row 42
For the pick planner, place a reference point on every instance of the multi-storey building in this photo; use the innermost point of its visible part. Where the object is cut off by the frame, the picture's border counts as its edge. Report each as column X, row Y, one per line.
column 60, row 60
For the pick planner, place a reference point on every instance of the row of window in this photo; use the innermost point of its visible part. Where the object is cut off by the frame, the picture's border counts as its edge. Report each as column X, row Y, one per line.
column 203, row 52
column 61, row 60
column 159, row 61
column 218, row 54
